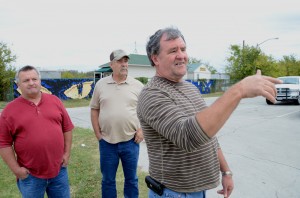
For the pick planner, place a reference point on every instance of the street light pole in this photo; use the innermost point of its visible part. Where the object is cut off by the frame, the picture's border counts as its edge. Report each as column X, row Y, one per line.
column 266, row 41
column 257, row 47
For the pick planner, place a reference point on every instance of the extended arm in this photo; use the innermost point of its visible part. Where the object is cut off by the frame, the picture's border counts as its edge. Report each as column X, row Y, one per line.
column 214, row 117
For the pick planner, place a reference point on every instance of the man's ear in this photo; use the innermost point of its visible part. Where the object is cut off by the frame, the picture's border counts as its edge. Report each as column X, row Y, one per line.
column 154, row 59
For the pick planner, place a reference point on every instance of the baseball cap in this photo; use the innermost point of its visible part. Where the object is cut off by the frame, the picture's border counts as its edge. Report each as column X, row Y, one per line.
column 118, row 54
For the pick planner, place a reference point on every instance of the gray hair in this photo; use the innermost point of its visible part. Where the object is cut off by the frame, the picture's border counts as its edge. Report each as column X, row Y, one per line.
column 153, row 45
column 26, row 68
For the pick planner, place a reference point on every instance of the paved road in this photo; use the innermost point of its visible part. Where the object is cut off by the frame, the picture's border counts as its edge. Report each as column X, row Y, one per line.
column 261, row 144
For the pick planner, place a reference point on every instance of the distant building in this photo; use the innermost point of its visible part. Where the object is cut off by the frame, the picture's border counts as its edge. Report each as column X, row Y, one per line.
column 140, row 66
column 199, row 71
column 220, row 76
column 46, row 74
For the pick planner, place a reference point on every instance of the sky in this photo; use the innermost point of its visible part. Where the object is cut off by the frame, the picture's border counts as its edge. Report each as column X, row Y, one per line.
column 80, row 35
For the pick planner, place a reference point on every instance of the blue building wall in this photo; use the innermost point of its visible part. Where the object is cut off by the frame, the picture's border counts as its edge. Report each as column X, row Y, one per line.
column 66, row 89
column 204, row 86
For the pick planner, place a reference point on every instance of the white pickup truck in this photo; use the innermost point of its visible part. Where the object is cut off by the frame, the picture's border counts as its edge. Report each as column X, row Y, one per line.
column 289, row 90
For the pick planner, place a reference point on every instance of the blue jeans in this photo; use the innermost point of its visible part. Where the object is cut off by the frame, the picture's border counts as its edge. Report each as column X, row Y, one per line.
column 57, row 187
column 110, row 154
column 168, row 193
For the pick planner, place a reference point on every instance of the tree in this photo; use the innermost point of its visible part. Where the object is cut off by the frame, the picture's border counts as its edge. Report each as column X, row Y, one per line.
column 243, row 61
column 246, row 60
column 67, row 74
column 7, row 71
column 76, row 74
column 267, row 65
column 194, row 60
column 211, row 68
column 289, row 66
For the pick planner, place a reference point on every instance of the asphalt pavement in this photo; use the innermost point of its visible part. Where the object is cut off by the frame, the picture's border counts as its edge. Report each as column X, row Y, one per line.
column 261, row 144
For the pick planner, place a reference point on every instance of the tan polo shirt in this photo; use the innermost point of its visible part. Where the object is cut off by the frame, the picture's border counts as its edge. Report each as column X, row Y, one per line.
column 117, row 104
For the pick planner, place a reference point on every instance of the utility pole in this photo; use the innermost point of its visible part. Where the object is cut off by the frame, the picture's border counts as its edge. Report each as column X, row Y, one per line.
column 135, row 50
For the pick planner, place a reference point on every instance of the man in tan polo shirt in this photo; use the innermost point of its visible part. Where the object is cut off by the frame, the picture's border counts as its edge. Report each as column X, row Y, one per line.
column 116, row 126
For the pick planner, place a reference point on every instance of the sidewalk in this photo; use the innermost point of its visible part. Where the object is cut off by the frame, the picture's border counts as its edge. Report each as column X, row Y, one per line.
column 81, row 118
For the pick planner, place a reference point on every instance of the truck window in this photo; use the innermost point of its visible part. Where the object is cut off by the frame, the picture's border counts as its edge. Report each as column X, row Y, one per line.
column 290, row 80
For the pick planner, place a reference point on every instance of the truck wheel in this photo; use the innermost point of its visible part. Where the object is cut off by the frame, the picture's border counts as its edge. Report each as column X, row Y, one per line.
column 298, row 101
column 269, row 102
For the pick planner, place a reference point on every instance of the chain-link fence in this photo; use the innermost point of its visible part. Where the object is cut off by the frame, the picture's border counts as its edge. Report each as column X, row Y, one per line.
column 9, row 94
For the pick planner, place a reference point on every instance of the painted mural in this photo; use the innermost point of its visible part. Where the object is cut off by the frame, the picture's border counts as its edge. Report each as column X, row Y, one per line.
column 65, row 89
column 204, row 86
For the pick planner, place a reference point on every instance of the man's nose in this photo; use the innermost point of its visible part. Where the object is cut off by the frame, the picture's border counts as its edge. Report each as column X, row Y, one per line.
column 31, row 82
column 180, row 54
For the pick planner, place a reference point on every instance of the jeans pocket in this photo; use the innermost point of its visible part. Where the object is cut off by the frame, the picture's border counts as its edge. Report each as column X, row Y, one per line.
column 25, row 177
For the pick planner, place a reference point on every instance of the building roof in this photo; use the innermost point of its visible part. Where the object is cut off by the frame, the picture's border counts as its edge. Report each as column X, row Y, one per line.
column 135, row 59
column 192, row 67
column 142, row 60
column 104, row 69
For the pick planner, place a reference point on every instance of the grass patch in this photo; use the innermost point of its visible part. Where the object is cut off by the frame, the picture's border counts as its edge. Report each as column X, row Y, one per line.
column 84, row 170
column 2, row 104
column 216, row 94
column 76, row 103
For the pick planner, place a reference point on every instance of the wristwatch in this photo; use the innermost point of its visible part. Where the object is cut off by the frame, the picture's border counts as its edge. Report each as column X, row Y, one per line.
column 227, row 173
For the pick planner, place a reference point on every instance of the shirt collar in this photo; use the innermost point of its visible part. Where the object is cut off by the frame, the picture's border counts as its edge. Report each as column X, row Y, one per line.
column 112, row 81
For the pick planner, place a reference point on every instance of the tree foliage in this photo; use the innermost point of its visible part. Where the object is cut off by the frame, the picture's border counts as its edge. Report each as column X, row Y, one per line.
column 289, row 66
column 194, row 60
column 7, row 71
column 244, row 61
column 76, row 74
column 143, row 80
column 211, row 68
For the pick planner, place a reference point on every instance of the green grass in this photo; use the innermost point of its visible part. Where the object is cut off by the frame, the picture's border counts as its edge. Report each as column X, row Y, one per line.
column 2, row 104
column 76, row 103
column 84, row 171
column 216, row 94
